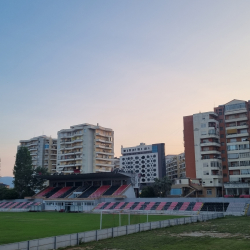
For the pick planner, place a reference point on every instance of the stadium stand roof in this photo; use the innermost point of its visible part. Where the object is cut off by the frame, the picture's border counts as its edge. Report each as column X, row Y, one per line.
column 91, row 176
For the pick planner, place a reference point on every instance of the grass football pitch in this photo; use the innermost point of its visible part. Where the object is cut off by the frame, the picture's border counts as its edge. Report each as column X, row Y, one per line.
column 229, row 233
column 15, row 227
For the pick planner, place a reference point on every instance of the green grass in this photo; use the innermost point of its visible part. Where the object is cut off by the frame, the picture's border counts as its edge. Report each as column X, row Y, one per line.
column 15, row 227
column 234, row 233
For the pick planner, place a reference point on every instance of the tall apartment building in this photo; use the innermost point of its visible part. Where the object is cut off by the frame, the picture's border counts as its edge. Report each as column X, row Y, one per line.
column 202, row 151
column 175, row 166
column 85, row 148
column 146, row 160
column 43, row 150
column 234, row 124
column 217, row 148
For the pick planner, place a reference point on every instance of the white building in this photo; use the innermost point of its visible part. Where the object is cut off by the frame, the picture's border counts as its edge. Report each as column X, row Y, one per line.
column 207, row 149
column 175, row 166
column 146, row 160
column 43, row 150
column 85, row 148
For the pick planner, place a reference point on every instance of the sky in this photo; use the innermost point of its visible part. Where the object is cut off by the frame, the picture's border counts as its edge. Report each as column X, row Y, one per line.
column 134, row 66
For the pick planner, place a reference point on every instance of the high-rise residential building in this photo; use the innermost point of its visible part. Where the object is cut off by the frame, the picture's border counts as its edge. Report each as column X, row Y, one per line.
column 234, row 124
column 175, row 166
column 146, row 160
column 85, row 148
column 217, row 149
column 43, row 150
column 202, row 151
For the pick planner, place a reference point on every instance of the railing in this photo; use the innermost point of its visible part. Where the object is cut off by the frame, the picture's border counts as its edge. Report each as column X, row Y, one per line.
column 244, row 155
column 235, row 117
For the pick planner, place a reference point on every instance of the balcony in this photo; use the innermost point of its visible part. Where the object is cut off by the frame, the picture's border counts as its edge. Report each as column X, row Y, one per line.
column 102, row 170
column 104, row 165
column 103, row 135
column 76, row 140
column 104, row 147
column 65, row 142
column 236, row 119
column 78, row 163
column 208, row 152
column 67, row 165
column 214, row 135
column 203, row 144
column 237, row 127
column 69, row 159
column 237, row 135
column 105, row 153
column 237, row 184
column 103, row 159
column 32, row 149
column 104, row 141
column 71, row 147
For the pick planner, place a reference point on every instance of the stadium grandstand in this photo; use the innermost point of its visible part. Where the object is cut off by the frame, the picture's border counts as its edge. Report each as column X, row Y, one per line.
column 116, row 192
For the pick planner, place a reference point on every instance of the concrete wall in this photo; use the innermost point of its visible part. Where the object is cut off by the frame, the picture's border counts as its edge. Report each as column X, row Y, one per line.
column 77, row 238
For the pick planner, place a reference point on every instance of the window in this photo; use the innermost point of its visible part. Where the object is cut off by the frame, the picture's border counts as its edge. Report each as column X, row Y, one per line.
column 211, row 132
column 224, row 175
column 205, row 172
column 223, row 159
column 209, row 191
column 206, row 157
column 245, row 171
column 233, row 156
column 223, row 151
column 235, row 106
column 224, row 167
column 244, row 163
column 220, row 121
column 203, row 125
column 243, row 146
column 232, row 147
column 222, row 136
column 221, row 128
column 223, row 144
column 205, row 149
column 243, row 131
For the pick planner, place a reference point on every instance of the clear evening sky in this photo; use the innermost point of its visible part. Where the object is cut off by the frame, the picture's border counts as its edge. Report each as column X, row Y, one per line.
column 134, row 66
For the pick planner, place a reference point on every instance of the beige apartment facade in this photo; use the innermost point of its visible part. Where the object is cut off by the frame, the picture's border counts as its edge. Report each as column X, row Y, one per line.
column 85, row 148
column 43, row 150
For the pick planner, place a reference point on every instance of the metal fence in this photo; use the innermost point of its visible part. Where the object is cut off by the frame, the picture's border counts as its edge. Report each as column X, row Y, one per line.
column 78, row 238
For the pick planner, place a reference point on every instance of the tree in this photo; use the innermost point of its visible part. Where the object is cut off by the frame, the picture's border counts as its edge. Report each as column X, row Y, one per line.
column 37, row 182
column 23, row 172
column 27, row 182
column 148, row 192
column 8, row 194
column 162, row 187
